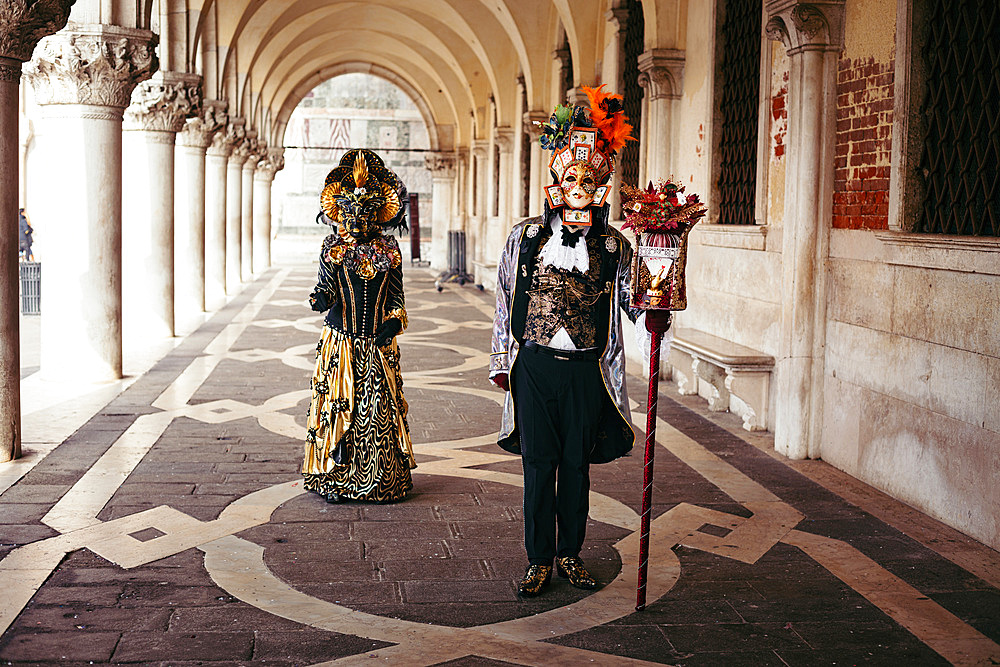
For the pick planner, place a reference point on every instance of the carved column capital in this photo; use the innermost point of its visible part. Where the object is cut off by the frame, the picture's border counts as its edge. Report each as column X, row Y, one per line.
column 529, row 118
column 97, row 65
column 271, row 162
column 441, row 165
column 276, row 157
column 504, row 137
column 806, row 26
column 164, row 102
column 480, row 148
column 249, row 149
column 199, row 130
column 662, row 73
column 10, row 69
column 23, row 24
column 228, row 138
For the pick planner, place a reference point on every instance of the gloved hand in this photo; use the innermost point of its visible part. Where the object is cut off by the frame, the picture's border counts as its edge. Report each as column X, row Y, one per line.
column 385, row 331
column 320, row 300
column 500, row 380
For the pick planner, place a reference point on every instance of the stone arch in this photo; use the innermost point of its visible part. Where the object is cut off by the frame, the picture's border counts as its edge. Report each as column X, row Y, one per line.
column 355, row 67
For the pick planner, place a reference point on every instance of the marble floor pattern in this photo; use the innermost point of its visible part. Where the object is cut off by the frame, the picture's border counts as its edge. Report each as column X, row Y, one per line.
column 172, row 528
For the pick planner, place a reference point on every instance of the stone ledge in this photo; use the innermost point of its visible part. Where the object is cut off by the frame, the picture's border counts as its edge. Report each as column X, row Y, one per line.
column 744, row 237
column 965, row 254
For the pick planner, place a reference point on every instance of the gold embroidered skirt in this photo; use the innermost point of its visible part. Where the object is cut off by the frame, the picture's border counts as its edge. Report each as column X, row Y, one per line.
column 357, row 439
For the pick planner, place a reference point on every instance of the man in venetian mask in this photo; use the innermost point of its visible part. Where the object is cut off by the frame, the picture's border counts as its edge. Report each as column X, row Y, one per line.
column 557, row 341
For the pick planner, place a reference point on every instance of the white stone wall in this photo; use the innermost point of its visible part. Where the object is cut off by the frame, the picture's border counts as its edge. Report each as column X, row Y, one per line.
column 912, row 399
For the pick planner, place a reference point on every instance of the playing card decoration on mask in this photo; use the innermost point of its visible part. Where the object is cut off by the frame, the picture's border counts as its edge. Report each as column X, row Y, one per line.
column 584, row 143
column 661, row 217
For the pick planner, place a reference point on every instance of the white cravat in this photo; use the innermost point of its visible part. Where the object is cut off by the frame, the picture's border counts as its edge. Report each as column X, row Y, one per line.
column 554, row 253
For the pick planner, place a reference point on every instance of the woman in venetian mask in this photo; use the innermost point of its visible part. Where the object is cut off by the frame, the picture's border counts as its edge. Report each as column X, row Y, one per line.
column 357, row 438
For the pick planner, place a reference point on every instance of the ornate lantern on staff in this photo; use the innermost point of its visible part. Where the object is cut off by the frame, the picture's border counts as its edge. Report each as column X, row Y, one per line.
column 661, row 217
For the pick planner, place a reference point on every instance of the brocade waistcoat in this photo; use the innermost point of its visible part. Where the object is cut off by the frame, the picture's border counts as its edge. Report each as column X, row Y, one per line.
column 565, row 299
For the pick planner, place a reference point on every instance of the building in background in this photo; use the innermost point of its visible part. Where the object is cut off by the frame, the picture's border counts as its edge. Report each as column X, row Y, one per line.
column 349, row 111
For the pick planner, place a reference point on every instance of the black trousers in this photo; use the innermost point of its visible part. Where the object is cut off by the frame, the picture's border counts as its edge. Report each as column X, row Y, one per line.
column 558, row 410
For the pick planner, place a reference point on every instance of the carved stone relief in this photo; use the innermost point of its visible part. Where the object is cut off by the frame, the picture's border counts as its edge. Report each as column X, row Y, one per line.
column 164, row 102
column 23, row 24
column 95, row 65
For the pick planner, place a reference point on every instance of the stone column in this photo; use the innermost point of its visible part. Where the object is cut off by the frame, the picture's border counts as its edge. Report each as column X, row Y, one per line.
column 539, row 167
column 23, row 26
column 254, row 154
column 497, row 228
column 479, row 201
column 189, row 216
column 158, row 111
column 83, row 77
column 661, row 72
column 216, row 194
column 263, row 179
column 443, row 218
column 813, row 35
column 234, row 209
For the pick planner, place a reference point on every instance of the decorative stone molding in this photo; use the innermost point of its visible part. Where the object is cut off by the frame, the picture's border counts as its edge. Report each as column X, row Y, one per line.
column 199, row 130
column 806, row 26
column 224, row 142
column 164, row 102
column 441, row 165
column 661, row 73
column 24, row 23
column 97, row 65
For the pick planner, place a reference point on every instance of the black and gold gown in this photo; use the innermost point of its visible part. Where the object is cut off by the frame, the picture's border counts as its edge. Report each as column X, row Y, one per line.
column 357, row 438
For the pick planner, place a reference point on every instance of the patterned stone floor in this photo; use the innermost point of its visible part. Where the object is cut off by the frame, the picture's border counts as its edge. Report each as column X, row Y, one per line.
column 171, row 528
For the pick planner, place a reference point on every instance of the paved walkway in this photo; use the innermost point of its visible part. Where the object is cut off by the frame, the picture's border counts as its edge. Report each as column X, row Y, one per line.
column 172, row 528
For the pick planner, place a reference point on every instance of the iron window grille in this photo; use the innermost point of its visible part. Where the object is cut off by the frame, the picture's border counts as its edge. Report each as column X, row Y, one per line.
column 961, row 98
column 739, row 69
column 633, row 44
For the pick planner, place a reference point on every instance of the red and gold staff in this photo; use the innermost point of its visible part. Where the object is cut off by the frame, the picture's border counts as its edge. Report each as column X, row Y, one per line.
column 661, row 217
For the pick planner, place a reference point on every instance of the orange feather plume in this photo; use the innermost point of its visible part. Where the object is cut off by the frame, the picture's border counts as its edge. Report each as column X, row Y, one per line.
column 613, row 125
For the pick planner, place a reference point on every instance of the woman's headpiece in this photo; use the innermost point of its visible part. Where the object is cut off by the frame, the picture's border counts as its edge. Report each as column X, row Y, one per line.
column 362, row 182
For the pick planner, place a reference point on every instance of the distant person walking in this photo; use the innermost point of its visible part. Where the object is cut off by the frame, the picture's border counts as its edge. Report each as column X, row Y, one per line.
column 24, row 237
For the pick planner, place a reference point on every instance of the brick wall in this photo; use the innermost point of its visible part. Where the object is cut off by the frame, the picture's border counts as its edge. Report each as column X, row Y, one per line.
column 779, row 118
column 863, row 144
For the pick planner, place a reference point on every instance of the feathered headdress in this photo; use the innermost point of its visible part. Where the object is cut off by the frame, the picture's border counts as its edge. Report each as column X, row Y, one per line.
column 608, row 115
column 591, row 135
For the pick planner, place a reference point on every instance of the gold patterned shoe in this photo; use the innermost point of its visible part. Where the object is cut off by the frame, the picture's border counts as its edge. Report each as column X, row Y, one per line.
column 534, row 580
column 573, row 569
